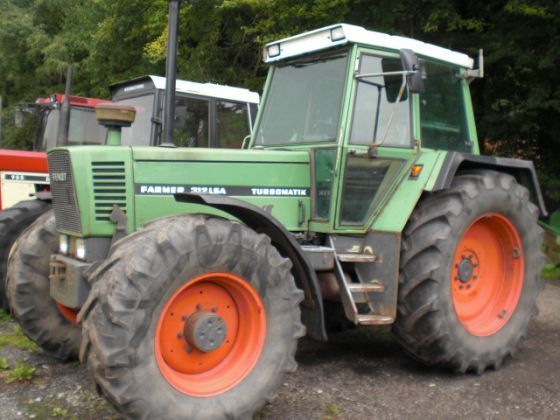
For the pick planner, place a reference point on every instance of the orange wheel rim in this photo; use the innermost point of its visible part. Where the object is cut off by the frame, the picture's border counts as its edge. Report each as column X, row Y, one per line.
column 71, row 315
column 210, row 334
column 487, row 274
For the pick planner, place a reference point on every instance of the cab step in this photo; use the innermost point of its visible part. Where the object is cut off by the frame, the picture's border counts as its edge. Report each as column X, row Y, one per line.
column 356, row 258
column 359, row 293
column 371, row 319
column 366, row 288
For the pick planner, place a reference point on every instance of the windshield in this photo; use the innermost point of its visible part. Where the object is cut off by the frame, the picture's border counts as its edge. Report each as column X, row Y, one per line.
column 303, row 101
column 83, row 128
column 138, row 134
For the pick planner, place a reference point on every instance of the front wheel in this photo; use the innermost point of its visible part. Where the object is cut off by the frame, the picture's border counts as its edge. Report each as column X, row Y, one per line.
column 193, row 317
column 470, row 265
column 52, row 326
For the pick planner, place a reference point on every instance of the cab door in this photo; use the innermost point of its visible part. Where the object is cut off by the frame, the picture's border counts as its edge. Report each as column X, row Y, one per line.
column 379, row 147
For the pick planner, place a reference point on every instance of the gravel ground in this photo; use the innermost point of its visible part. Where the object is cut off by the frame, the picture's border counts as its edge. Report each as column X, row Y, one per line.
column 358, row 374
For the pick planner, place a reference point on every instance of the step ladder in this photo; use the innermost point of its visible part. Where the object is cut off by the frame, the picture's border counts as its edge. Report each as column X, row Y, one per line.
column 352, row 294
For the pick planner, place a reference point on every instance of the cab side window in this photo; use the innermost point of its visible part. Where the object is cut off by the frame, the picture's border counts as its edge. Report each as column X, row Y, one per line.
column 443, row 118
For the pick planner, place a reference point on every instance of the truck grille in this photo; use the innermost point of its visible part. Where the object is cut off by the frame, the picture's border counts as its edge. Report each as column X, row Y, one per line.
column 109, row 188
column 63, row 192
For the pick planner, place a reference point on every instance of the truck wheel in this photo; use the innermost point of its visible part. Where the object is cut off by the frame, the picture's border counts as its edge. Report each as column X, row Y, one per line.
column 13, row 221
column 469, row 277
column 192, row 317
column 52, row 326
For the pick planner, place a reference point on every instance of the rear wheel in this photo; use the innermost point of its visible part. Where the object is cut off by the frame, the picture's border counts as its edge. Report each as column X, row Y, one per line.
column 13, row 221
column 470, row 265
column 52, row 326
column 193, row 317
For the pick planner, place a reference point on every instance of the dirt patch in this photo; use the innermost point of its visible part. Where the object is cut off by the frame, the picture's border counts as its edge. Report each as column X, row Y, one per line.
column 358, row 374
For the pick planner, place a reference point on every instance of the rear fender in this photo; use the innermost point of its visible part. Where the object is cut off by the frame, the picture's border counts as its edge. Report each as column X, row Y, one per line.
column 522, row 170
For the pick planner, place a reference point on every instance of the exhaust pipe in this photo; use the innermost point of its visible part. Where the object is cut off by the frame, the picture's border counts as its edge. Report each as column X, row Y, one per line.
column 171, row 72
column 64, row 118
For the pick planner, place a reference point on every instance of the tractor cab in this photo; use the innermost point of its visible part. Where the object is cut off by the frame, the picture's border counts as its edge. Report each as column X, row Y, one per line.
column 82, row 126
column 45, row 112
column 371, row 108
column 206, row 114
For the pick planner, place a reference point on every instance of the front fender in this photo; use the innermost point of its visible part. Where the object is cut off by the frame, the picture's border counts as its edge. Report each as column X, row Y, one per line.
column 263, row 222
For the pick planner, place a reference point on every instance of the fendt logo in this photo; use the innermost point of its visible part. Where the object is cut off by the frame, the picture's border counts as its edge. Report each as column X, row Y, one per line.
column 58, row 177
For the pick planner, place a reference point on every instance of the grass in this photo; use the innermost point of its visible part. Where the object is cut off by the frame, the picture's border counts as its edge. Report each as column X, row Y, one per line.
column 4, row 317
column 59, row 412
column 550, row 272
column 261, row 414
column 17, row 339
column 333, row 410
column 21, row 373
column 4, row 365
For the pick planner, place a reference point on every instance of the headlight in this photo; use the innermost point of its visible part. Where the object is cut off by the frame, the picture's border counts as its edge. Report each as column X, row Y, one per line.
column 274, row 50
column 63, row 244
column 337, row 34
column 80, row 249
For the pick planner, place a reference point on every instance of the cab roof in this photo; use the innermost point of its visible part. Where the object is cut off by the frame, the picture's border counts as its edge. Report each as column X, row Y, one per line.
column 193, row 88
column 343, row 34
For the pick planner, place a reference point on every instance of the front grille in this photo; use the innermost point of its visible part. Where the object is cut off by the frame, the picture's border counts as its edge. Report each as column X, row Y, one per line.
column 109, row 188
column 63, row 192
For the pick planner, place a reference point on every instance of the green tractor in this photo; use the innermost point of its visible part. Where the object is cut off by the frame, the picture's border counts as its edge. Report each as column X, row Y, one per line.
column 361, row 195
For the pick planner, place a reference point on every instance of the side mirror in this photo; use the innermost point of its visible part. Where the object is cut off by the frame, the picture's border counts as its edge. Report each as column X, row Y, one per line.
column 410, row 64
column 19, row 118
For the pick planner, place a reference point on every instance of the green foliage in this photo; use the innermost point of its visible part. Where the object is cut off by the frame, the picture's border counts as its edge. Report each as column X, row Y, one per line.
column 550, row 272
column 516, row 105
column 21, row 373
column 4, row 365
column 17, row 339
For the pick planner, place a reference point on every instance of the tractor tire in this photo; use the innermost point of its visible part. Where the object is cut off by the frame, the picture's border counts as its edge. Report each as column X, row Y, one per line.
column 469, row 273
column 13, row 221
column 52, row 326
column 152, row 297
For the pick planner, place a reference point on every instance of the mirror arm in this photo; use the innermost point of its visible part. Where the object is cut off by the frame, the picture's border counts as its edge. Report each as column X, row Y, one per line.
column 478, row 73
column 386, row 73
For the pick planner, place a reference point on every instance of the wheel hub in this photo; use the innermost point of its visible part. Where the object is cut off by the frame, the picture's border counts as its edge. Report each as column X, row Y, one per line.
column 465, row 270
column 205, row 331
column 210, row 334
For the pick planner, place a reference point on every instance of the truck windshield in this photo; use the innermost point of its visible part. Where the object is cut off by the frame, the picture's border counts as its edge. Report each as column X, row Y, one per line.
column 304, row 101
column 83, row 128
